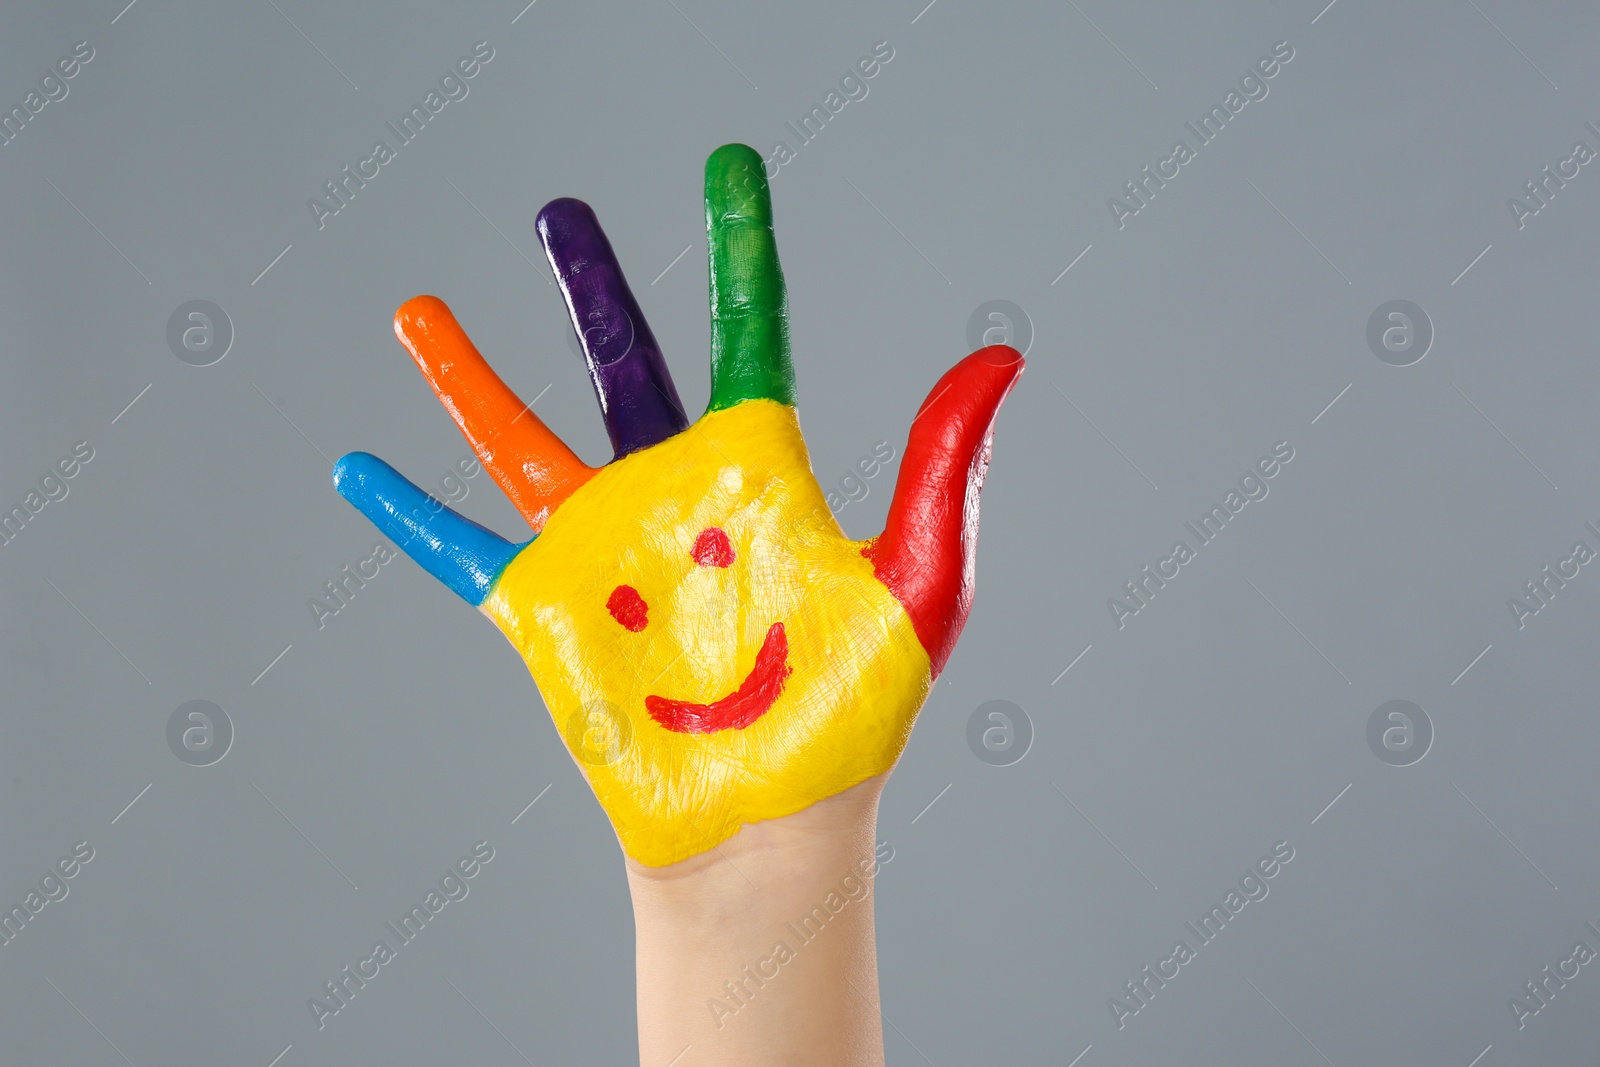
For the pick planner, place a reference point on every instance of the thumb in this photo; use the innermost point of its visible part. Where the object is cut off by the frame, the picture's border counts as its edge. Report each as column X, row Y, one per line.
column 927, row 552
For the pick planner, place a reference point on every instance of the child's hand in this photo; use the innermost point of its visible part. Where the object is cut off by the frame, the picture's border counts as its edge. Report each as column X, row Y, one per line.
column 710, row 645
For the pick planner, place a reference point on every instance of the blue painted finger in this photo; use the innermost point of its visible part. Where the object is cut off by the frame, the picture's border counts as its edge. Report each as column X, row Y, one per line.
column 454, row 549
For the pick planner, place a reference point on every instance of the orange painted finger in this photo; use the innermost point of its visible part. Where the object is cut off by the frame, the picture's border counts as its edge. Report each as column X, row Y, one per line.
column 533, row 466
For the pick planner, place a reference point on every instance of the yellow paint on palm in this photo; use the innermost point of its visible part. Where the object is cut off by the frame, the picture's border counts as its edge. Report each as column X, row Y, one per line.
column 856, row 673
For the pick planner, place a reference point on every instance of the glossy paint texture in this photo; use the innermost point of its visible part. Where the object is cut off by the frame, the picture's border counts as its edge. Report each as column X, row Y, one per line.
column 712, row 548
column 749, row 303
column 454, row 549
column 717, row 738
column 754, row 697
column 531, row 465
column 694, row 601
column 638, row 401
column 927, row 553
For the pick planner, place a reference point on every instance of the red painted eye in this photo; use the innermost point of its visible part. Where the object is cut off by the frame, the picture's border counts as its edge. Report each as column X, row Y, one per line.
column 628, row 608
column 712, row 548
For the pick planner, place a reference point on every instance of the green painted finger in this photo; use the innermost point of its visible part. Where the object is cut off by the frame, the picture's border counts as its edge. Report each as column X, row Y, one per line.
column 749, row 304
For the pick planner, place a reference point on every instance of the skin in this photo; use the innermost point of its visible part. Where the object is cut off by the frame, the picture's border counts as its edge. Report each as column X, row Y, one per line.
column 733, row 675
column 700, row 923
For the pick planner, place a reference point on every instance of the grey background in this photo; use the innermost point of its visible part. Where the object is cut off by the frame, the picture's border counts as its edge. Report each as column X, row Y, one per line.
column 1222, row 319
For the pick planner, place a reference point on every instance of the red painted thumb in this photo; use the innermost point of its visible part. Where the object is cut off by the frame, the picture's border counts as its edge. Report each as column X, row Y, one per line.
column 927, row 554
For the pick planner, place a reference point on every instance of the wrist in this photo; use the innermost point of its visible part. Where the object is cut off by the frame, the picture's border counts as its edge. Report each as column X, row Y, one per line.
column 811, row 840
column 765, row 941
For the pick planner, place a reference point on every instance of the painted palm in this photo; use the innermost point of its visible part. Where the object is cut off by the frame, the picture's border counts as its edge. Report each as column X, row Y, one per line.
column 711, row 646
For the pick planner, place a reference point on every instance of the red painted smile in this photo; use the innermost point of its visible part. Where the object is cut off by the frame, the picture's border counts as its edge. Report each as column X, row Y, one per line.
column 739, row 708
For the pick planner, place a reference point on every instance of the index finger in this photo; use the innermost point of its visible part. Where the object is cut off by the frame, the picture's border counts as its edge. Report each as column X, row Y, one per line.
column 749, row 303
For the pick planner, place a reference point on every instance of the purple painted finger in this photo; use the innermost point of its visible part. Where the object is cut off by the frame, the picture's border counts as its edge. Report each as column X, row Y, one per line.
column 637, row 399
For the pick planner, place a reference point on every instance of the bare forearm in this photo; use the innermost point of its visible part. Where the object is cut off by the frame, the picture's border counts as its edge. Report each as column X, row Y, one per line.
column 761, row 951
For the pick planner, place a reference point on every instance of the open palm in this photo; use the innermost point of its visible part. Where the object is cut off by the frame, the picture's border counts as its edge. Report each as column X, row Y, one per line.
column 711, row 646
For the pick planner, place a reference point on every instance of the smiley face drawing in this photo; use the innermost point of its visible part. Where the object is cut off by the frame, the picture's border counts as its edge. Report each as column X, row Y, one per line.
column 713, row 649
